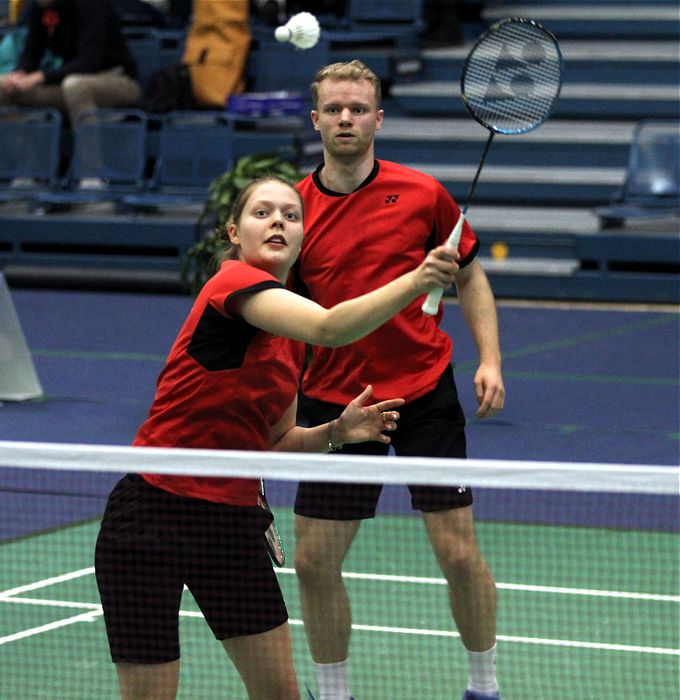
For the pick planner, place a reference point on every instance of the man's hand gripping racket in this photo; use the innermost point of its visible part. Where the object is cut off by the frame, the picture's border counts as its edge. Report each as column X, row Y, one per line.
column 510, row 81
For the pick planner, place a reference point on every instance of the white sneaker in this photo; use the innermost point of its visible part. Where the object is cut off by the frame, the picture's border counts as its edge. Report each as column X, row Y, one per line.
column 92, row 183
column 22, row 183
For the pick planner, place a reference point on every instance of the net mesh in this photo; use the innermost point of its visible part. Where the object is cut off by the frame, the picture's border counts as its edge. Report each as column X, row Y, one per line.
column 512, row 77
column 585, row 557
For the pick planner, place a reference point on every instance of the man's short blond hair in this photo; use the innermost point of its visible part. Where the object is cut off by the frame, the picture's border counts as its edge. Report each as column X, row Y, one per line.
column 347, row 70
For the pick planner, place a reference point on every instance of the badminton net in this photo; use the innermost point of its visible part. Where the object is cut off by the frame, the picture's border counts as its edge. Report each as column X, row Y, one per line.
column 585, row 557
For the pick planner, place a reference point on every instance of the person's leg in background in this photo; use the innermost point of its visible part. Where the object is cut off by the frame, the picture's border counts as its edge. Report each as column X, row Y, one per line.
column 40, row 96
column 78, row 93
column 105, row 90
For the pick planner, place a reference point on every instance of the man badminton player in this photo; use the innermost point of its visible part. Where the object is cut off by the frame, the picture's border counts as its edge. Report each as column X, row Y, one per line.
column 367, row 220
column 231, row 382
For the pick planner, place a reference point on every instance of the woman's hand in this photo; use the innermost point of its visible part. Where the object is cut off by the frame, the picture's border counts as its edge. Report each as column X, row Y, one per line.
column 19, row 81
column 361, row 423
column 438, row 270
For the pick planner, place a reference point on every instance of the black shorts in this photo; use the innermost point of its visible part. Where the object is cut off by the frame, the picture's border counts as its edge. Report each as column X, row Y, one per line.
column 152, row 543
column 430, row 426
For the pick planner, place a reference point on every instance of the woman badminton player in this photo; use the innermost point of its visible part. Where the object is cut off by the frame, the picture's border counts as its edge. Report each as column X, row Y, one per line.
column 231, row 382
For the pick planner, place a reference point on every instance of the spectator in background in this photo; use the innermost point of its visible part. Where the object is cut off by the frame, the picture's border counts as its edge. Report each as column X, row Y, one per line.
column 13, row 42
column 217, row 49
column 97, row 68
column 15, row 9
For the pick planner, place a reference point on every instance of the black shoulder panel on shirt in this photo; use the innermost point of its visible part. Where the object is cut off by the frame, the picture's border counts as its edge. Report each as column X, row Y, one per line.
column 219, row 342
column 470, row 256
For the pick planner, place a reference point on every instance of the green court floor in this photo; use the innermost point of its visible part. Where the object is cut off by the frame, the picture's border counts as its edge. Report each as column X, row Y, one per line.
column 583, row 613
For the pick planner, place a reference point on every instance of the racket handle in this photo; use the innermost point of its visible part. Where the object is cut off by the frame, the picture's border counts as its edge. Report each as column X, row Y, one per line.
column 431, row 303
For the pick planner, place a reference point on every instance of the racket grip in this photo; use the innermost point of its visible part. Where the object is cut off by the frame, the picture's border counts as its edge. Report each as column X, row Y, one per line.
column 431, row 303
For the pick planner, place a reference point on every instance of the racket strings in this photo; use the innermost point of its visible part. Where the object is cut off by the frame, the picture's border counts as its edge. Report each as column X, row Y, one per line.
column 512, row 77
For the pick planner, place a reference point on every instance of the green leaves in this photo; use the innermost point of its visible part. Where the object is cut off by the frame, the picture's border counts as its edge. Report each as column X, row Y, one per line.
column 196, row 267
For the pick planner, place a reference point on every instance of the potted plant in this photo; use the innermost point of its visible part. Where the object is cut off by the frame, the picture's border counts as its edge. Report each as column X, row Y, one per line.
column 196, row 268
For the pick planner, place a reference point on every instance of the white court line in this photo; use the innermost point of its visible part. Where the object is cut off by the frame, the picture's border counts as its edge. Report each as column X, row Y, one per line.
column 522, row 640
column 521, row 587
column 392, row 578
column 83, row 617
column 512, row 587
column 47, row 582
column 94, row 607
column 94, row 610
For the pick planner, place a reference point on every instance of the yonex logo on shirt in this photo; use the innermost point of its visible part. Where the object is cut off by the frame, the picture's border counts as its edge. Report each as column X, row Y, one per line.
column 391, row 198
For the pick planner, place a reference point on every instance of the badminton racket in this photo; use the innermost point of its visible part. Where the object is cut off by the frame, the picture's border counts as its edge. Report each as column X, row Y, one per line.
column 510, row 81
column 272, row 537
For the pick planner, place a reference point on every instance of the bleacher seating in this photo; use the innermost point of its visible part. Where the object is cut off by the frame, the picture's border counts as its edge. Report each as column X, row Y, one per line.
column 29, row 144
column 195, row 148
column 385, row 35
column 651, row 19
column 275, row 66
column 652, row 185
column 622, row 66
column 154, row 49
column 109, row 148
column 540, row 193
column 400, row 17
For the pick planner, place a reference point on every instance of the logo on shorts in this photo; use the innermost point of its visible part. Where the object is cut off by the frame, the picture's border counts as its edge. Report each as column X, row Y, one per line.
column 391, row 198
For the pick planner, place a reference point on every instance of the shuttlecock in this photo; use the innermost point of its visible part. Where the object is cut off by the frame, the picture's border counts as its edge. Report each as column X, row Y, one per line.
column 301, row 30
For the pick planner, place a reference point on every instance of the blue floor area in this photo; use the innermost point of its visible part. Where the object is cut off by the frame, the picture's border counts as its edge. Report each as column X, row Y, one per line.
column 582, row 385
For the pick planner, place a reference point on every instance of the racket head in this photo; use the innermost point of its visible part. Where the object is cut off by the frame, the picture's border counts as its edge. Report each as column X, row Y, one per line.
column 512, row 76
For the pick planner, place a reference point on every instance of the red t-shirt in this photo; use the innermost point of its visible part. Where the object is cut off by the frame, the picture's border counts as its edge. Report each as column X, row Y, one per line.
column 357, row 242
column 224, row 385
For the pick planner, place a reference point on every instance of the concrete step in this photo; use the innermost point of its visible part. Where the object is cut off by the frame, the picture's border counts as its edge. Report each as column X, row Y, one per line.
column 493, row 220
column 581, row 101
column 593, row 3
column 653, row 21
column 461, row 140
column 509, row 184
column 586, row 61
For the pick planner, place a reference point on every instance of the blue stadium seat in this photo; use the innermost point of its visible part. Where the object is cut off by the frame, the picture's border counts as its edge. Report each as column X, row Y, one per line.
column 194, row 149
column 273, row 66
column 109, row 146
column 398, row 20
column 29, row 143
column 385, row 35
column 144, row 45
column 652, row 184
column 407, row 12
column 154, row 49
